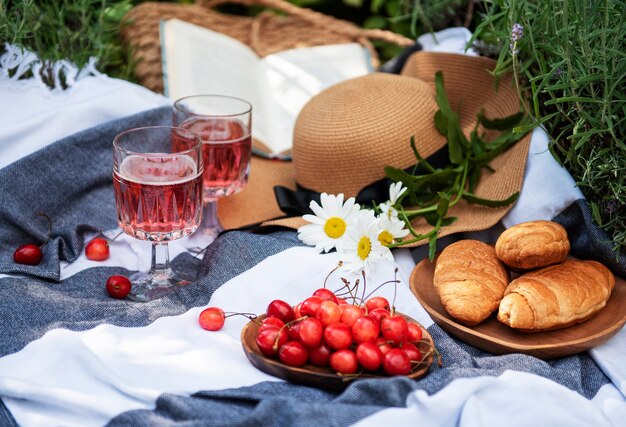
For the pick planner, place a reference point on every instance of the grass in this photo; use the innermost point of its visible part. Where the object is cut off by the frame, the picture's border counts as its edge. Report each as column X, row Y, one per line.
column 572, row 70
column 68, row 29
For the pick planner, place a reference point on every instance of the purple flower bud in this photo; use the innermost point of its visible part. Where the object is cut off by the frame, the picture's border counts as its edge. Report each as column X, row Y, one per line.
column 611, row 207
column 517, row 32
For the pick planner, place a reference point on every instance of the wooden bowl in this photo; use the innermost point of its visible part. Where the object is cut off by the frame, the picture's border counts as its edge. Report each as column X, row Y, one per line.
column 498, row 338
column 323, row 377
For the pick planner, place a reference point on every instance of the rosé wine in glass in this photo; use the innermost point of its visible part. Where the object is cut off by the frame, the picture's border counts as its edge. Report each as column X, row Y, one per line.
column 157, row 181
column 158, row 198
column 224, row 123
column 226, row 147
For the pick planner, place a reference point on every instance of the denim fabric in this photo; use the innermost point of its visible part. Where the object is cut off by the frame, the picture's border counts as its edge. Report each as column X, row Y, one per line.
column 589, row 241
column 71, row 182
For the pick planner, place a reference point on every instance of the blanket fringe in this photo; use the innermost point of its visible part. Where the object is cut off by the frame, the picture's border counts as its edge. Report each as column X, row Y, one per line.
column 17, row 63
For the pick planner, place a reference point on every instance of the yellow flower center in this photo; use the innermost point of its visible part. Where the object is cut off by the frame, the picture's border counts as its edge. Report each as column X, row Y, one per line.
column 364, row 248
column 385, row 238
column 335, row 227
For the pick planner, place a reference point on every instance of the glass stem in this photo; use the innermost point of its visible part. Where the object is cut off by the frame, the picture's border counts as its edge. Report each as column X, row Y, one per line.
column 209, row 216
column 160, row 258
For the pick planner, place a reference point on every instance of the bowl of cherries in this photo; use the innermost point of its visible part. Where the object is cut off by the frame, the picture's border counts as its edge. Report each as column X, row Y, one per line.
column 325, row 341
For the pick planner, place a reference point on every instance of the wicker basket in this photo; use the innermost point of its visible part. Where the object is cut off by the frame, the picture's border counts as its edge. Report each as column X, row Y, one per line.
column 265, row 33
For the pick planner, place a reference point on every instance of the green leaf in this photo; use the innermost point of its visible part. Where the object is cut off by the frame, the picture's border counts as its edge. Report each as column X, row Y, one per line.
column 418, row 156
column 595, row 211
column 432, row 218
column 448, row 220
column 504, row 123
column 441, row 123
column 444, row 203
column 471, row 198
column 432, row 247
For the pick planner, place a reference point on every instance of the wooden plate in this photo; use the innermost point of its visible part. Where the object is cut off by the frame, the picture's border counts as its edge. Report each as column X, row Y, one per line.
column 497, row 338
column 322, row 377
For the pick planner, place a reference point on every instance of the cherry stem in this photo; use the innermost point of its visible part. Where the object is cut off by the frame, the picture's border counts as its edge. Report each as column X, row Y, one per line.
column 346, row 284
column 250, row 316
column 356, row 287
column 339, row 264
column 115, row 237
column 299, row 319
column 395, row 288
column 380, row 286
column 364, row 287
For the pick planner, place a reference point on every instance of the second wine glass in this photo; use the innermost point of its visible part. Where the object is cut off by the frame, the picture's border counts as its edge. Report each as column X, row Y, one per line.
column 224, row 123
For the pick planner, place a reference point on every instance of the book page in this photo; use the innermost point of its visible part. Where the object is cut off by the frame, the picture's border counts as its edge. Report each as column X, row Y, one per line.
column 294, row 76
column 199, row 61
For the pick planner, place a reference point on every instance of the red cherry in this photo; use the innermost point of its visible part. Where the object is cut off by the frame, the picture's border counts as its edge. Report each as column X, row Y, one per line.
column 395, row 329
column 377, row 302
column 344, row 362
column 311, row 332
column 415, row 355
column 326, row 295
column 328, row 313
column 296, row 311
column 118, row 286
column 396, row 362
column 369, row 356
column 350, row 314
column 212, row 319
column 379, row 314
column 28, row 254
column 310, row 306
column 293, row 353
column 338, row 336
column 365, row 329
column 293, row 331
column 270, row 339
column 282, row 310
column 384, row 345
column 97, row 249
column 271, row 321
column 341, row 301
column 415, row 332
column 320, row 356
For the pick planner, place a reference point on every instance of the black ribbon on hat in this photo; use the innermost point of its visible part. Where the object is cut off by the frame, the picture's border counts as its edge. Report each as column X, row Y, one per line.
column 296, row 202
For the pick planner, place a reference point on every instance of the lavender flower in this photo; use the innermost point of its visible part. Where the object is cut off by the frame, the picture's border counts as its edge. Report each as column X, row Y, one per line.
column 517, row 32
column 611, row 207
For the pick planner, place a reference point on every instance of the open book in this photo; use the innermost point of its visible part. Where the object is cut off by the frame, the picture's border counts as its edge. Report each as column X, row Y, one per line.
column 198, row 61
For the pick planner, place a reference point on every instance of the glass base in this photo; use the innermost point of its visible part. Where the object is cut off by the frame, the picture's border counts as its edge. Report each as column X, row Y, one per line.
column 154, row 285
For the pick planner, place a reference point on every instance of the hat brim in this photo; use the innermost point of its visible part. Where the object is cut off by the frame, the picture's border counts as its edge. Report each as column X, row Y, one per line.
column 469, row 85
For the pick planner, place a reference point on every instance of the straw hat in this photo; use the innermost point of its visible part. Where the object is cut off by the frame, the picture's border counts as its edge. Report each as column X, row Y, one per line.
column 346, row 135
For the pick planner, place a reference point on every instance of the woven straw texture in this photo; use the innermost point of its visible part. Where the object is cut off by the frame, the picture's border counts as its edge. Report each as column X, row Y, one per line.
column 265, row 33
column 346, row 135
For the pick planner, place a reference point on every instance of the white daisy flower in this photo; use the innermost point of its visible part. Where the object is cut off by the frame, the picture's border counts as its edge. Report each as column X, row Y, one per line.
column 390, row 229
column 387, row 210
column 395, row 191
column 330, row 222
column 362, row 250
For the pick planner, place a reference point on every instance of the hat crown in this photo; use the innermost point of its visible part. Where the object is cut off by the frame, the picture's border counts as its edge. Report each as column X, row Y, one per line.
column 346, row 135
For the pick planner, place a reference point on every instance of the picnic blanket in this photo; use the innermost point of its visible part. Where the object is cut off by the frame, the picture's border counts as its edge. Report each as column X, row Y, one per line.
column 70, row 355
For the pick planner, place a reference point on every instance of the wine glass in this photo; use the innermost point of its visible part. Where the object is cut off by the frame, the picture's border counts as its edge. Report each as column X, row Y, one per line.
column 224, row 124
column 157, row 180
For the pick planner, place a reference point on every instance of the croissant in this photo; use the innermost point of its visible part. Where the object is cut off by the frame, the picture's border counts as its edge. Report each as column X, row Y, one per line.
column 532, row 245
column 470, row 280
column 557, row 296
